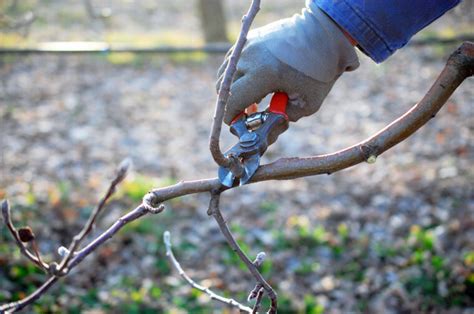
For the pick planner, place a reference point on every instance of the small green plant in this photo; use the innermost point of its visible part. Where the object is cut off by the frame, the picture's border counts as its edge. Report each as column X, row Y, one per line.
column 312, row 306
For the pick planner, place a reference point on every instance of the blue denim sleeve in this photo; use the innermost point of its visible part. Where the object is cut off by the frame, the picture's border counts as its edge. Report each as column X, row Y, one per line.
column 380, row 27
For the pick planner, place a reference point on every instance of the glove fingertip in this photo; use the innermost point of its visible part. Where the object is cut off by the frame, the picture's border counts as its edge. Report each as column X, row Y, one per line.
column 229, row 115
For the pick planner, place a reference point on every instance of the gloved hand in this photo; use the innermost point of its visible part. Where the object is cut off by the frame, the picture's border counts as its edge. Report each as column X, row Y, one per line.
column 302, row 56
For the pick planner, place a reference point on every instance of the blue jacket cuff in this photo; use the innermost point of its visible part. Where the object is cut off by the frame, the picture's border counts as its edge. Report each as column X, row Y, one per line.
column 368, row 38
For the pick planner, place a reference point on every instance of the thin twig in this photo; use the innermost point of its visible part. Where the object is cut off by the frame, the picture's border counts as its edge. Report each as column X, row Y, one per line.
column 35, row 248
column 224, row 89
column 257, row 262
column 16, row 306
column 253, row 294
column 76, row 241
column 14, row 232
column 216, row 213
column 192, row 283
column 258, row 291
column 258, row 301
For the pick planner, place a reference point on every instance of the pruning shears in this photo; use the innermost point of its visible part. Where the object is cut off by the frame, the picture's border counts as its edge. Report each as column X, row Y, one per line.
column 255, row 132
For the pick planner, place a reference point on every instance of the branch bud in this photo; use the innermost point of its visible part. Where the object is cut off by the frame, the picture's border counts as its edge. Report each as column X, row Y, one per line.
column 167, row 238
column 26, row 234
column 371, row 159
column 123, row 169
column 5, row 207
column 62, row 251
column 259, row 259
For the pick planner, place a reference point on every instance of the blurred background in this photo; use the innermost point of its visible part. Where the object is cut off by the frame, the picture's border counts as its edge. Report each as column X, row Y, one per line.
column 395, row 236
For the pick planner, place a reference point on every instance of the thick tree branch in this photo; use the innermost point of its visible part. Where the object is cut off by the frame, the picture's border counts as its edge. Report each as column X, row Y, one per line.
column 224, row 91
column 459, row 66
column 192, row 283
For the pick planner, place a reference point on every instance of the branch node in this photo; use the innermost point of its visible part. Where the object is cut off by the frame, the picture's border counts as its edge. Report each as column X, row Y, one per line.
column 156, row 210
column 236, row 166
column 56, row 270
column 369, row 152
column 151, row 204
column 260, row 259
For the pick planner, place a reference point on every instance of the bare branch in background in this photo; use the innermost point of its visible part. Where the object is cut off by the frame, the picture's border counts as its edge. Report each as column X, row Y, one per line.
column 21, row 24
column 70, row 257
column 92, row 12
column 76, row 241
column 192, row 283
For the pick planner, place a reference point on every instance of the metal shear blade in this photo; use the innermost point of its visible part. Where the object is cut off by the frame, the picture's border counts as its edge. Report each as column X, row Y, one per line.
column 255, row 133
column 251, row 164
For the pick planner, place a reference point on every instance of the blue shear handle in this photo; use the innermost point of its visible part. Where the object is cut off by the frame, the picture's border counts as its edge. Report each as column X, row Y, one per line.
column 239, row 128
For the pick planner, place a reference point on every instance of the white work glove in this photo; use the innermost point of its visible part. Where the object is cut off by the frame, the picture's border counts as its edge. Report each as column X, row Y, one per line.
column 302, row 56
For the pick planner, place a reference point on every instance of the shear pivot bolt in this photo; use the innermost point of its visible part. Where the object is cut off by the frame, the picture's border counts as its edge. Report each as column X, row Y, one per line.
column 248, row 139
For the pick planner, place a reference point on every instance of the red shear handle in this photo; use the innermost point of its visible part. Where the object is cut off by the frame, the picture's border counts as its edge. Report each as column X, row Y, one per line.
column 238, row 117
column 278, row 104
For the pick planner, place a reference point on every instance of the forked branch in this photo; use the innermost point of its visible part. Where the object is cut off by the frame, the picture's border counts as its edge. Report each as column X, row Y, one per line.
column 70, row 257
column 215, row 212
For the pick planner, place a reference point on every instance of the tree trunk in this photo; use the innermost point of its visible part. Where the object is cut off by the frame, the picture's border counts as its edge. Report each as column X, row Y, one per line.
column 213, row 21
